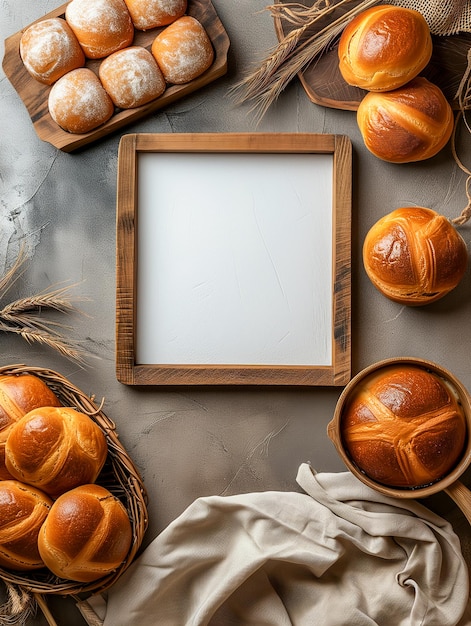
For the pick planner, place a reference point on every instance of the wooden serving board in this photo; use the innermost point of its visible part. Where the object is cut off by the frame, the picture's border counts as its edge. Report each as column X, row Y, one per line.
column 324, row 84
column 35, row 95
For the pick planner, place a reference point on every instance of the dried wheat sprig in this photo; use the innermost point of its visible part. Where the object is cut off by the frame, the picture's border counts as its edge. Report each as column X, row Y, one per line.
column 34, row 320
column 463, row 95
column 9, row 279
column 57, row 299
column 264, row 85
column 252, row 83
column 66, row 347
column 23, row 316
column 299, row 14
column 18, row 608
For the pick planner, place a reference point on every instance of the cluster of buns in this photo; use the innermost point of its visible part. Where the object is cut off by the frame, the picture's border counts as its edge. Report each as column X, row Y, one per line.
column 414, row 256
column 55, row 52
column 404, row 427
column 52, row 512
column 403, row 117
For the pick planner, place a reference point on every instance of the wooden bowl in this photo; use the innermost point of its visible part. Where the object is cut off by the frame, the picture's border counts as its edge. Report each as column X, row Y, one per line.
column 449, row 483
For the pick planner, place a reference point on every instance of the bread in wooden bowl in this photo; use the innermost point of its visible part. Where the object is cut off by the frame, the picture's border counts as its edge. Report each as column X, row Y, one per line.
column 101, row 26
column 23, row 510
column 411, row 123
column 19, row 394
column 183, row 50
column 384, row 47
column 86, row 535
column 403, row 426
column 55, row 449
column 147, row 14
column 78, row 103
column 414, row 256
column 49, row 49
column 131, row 77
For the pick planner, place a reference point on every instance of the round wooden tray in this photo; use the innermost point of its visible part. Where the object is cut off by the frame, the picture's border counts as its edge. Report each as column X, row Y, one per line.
column 324, row 84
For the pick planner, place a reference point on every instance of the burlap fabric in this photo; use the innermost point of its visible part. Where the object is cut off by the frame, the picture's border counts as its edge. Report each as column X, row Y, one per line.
column 444, row 17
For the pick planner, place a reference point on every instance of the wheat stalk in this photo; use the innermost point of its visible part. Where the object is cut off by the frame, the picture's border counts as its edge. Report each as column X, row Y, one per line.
column 57, row 299
column 23, row 316
column 8, row 279
column 264, row 85
column 32, row 335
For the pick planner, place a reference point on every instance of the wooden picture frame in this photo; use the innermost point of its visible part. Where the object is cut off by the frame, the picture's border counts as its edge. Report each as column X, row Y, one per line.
column 174, row 193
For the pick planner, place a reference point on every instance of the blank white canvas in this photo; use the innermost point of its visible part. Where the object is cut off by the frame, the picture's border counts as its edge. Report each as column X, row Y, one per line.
column 234, row 259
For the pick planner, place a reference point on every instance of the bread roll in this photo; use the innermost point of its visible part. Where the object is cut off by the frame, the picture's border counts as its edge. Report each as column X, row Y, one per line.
column 55, row 449
column 411, row 123
column 87, row 534
column 414, row 256
column 147, row 14
column 19, row 394
column 131, row 77
column 49, row 49
column 404, row 427
column 183, row 50
column 384, row 47
column 23, row 510
column 78, row 103
column 101, row 26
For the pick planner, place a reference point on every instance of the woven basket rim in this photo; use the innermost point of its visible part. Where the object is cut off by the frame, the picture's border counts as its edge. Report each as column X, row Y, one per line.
column 119, row 475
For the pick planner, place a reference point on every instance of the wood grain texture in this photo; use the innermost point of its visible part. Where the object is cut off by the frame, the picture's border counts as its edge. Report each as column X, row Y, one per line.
column 325, row 86
column 35, row 95
column 132, row 373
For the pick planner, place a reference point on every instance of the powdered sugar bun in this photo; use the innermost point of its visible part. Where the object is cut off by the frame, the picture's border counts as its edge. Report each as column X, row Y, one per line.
column 78, row 102
column 49, row 49
column 101, row 26
column 183, row 50
column 147, row 14
column 131, row 77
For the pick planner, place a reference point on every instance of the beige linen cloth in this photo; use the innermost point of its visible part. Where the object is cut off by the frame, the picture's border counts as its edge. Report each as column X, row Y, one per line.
column 339, row 554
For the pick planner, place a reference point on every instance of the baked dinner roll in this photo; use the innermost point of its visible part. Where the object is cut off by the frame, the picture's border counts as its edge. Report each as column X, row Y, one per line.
column 78, row 103
column 414, row 256
column 101, row 26
column 131, row 77
column 411, row 123
column 183, row 50
column 404, row 427
column 384, row 47
column 19, row 394
column 55, row 449
column 49, row 49
column 86, row 535
column 147, row 14
column 23, row 510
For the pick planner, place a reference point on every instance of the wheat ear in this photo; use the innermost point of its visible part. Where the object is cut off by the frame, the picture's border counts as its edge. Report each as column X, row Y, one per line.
column 264, row 85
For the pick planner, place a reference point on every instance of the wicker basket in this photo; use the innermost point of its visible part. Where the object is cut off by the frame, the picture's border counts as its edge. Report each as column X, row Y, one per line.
column 119, row 475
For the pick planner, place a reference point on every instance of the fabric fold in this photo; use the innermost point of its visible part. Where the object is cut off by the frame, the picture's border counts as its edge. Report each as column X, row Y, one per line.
column 339, row 554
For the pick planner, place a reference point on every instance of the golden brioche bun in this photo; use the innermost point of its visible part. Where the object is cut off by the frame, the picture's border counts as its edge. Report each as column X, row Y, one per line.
column 414, row 256
column 147, row 14
column 19, row 394
column 404, row 427
column 101, row 26
column 49, row 49
column 23, row 511
column 183, row 50
column 86, row 535
column 131, row 77
column 384, row 47
column 55, row 449
column 78, row 103
column 412, row 123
